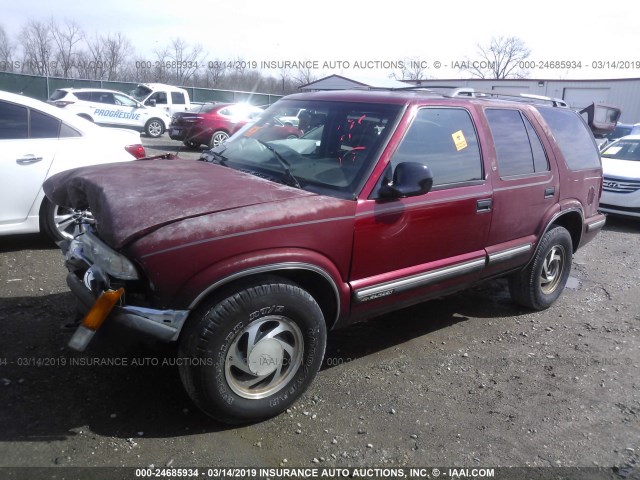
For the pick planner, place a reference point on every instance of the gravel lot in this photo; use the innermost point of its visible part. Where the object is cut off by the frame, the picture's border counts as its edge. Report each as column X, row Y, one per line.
column 468, row 380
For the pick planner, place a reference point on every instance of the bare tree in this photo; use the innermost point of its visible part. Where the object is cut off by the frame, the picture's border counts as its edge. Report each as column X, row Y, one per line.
column 116, row 50
column 36, row 41
column 66, row 38
column 184, row 62
column 284, row 76
column 215, row 72
column 7, row 49
column 303, row 76
column 412, row 69
column 500, row 59
column 91, row 62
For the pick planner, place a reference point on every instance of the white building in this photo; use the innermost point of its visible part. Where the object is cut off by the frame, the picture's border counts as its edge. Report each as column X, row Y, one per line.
column 621, row 93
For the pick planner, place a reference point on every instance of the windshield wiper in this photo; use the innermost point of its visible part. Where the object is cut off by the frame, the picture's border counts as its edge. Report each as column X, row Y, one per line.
column 214, row 155
column 283, row 163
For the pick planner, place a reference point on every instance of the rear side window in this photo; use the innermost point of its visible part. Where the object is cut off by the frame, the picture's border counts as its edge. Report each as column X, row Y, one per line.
column 445, row 140
column 518, row 148
column 573, row 137
column 177, row 98
column 44, row 126
column 14, row 121
column 67, row 132
column 85, row 96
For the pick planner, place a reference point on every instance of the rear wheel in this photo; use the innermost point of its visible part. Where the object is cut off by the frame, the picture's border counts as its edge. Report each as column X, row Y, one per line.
column 218, row 138
column 251, row 355
column 541, row 282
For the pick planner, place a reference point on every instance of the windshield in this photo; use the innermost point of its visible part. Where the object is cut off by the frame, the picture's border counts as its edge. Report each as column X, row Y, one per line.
column 623, row 150
column 140, row 92
column 331, row 151
column 619, row 131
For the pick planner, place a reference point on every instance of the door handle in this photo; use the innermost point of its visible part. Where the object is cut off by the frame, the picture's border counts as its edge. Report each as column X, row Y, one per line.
column 28, row 160
column 484, row 205
column 549, row 192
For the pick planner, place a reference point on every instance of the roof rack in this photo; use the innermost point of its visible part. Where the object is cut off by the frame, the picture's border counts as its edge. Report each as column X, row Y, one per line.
column 454, row 92
column 471, row 92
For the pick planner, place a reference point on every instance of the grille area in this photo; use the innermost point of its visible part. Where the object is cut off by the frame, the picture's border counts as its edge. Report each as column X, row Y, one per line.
column 620, row 185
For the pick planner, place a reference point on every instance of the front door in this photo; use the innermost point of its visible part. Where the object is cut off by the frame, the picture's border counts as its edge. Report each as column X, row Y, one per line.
column 408, row 248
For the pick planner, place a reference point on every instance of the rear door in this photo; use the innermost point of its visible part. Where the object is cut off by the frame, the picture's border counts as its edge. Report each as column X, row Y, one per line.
column 116, row 110
column 526, row 186
column 28, row 144
column 407, row 248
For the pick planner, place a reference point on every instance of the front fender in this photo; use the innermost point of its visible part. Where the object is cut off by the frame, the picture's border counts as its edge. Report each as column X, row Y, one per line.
column 206, row 282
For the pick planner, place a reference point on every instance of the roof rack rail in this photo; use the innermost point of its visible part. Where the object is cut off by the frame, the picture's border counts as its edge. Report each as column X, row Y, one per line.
column 471, row 92
column 454, row 92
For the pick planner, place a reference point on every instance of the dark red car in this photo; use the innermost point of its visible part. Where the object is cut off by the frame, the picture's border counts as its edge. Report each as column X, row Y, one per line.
column 213, row 123
column 391, row 198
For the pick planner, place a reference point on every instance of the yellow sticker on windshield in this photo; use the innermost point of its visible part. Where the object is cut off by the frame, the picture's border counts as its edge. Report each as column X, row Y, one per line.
column 458, row 139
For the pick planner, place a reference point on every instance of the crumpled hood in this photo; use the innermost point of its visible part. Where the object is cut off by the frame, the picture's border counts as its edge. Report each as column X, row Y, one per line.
column 132, row 199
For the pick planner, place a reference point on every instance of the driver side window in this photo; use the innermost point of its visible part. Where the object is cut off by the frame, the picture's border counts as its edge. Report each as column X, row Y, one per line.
column 445, row 140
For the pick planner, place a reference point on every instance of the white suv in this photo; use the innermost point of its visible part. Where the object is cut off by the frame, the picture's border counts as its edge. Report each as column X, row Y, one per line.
column 112, row 108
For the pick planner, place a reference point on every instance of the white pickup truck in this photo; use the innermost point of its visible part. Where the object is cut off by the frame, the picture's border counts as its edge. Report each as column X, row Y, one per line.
column 171, row 99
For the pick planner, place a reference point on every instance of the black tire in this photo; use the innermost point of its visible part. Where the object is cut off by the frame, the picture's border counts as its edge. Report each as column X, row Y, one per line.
column 191, row 144
column 55, row 221
column 541, row 282
column 218, row 138
column 154, row 127
column 230, row 366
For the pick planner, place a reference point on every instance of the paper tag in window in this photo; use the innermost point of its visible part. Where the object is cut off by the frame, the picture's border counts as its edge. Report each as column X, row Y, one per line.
column 612, row 150
column 459, row 140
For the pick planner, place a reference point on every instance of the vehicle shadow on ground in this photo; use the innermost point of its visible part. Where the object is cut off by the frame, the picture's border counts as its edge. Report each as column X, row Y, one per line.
column 126, row 388
column 29, row 241
column 48, row 392
column 488, row 300
column 620, row 224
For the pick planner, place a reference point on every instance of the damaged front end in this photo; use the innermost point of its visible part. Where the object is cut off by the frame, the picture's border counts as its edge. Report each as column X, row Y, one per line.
column 106, row 284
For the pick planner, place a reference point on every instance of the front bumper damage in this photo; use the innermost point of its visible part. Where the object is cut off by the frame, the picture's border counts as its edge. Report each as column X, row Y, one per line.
column 95, row 284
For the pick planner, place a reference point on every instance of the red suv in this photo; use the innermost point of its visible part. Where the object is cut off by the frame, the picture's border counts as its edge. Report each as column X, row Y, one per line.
column 391, row 198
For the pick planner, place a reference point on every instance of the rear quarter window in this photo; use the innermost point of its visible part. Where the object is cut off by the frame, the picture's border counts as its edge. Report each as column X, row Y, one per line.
column 573, row 137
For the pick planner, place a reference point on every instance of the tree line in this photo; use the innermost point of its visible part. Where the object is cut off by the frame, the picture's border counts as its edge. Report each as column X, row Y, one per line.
column 63, row 49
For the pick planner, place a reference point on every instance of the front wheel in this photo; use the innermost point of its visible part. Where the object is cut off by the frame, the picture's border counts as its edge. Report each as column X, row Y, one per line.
column 251, row 355
column 154, row 128
column 218, row 138
column 540, row 283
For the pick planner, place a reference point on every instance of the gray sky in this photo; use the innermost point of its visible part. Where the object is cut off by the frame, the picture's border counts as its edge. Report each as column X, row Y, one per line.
column 338, row 30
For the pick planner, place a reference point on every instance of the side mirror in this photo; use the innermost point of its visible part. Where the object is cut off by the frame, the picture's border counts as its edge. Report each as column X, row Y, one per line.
column 409, row 180
column 150, row 103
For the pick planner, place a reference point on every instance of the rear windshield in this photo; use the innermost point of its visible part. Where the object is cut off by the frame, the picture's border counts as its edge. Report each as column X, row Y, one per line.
column 573, row 137
column 57, row 95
